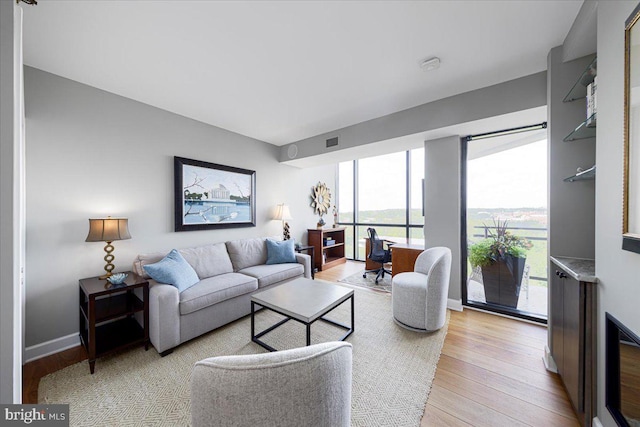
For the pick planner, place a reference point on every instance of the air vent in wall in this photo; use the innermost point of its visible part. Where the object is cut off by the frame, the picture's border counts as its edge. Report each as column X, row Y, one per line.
column 332, row 142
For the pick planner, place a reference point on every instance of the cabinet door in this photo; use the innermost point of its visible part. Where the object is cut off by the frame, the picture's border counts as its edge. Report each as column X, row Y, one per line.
column 572, row 353
column 557, row 319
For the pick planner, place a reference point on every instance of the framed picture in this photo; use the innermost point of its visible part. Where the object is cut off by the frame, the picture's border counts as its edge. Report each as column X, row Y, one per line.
column 210, row 196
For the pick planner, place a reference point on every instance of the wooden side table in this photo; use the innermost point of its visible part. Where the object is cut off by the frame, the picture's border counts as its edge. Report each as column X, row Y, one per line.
column 308, row 248
column 107, row 316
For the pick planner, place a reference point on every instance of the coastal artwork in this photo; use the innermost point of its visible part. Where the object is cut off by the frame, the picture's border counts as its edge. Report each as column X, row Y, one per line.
column 209, row 195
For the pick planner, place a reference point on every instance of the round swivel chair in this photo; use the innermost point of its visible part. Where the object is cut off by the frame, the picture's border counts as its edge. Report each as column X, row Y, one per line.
column 419, row 298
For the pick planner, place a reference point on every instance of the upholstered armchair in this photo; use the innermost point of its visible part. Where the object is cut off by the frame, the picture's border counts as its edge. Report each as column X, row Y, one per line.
column 419, row 298
column 307, row 386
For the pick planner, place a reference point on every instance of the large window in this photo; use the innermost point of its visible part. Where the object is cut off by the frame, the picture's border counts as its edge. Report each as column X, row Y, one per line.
column 385, row 192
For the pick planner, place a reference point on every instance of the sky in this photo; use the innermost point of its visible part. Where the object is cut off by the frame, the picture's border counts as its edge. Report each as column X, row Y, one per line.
column 513, row 178
column 382, row 181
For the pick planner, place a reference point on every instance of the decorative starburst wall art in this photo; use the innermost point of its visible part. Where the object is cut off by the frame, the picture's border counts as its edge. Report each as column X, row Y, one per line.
column 320, row 199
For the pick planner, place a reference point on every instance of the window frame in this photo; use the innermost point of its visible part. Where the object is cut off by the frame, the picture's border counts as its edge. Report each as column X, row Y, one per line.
column 353, row 225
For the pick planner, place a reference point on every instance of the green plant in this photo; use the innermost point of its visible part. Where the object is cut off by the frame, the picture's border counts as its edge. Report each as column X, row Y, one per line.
column 497, row 246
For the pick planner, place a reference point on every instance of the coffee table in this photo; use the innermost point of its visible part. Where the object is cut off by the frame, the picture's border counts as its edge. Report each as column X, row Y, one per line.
column 302, row 300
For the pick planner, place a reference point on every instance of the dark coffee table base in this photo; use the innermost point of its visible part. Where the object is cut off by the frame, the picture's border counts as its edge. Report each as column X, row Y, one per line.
column 256, row 338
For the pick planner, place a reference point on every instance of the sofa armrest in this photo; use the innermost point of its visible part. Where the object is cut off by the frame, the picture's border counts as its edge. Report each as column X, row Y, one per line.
column 305, row 260
column 164, row 316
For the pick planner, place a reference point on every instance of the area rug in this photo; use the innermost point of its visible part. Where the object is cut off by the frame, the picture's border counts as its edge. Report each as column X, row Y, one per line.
column 369, row 282
column 393, row 369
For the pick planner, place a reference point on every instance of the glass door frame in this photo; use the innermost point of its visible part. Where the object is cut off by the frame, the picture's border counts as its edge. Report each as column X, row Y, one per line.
column 464, row 145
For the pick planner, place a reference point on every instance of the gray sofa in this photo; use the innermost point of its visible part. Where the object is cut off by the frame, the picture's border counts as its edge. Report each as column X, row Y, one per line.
column 229, row 273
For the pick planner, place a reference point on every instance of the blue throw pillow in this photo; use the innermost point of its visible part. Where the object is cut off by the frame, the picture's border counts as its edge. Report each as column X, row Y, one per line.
column 173, row 270
column 280, row 252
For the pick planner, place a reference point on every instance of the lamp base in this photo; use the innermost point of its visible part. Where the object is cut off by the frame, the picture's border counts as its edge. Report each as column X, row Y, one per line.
column 108, row 258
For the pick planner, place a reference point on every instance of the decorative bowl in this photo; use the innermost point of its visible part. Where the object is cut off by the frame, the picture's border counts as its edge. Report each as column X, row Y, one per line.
column 117, row 279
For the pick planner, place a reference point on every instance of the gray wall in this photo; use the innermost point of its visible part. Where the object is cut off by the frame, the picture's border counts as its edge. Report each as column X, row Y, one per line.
column 442, row 206
column 571, row 204
column 91, row 153
column 507, row 97
column 7, row 215
column 617, row 270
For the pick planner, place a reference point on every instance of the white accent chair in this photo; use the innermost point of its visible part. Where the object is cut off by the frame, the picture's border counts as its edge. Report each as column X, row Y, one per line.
column 307, row 386
column 419, row 298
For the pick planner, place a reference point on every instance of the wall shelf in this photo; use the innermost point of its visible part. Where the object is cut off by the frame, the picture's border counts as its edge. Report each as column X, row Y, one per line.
column 586, row 129
column 579, row 89
column 585, row 175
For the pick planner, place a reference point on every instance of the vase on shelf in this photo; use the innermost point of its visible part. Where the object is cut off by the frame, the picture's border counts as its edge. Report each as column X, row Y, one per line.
column 321, row 223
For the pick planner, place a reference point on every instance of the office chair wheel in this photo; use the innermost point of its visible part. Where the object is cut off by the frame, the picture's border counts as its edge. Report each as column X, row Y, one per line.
column 364, row 276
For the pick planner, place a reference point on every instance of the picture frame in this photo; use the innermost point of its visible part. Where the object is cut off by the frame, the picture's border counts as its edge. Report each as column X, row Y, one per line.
column 622, row 355
column 631, row 189
column 212, row 196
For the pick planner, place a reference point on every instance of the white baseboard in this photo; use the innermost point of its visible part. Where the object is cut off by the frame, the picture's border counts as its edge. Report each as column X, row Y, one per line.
column 596, row 422
column 50, row 347
column 549, row 363
column 454, row 304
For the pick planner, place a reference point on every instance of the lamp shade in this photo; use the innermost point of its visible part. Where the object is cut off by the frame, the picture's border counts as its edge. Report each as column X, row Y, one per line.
column 108, row 229
column 283, row 213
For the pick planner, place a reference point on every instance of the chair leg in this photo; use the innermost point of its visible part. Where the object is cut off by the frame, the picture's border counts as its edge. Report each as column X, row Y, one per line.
column 379, row 272
column 375, row 270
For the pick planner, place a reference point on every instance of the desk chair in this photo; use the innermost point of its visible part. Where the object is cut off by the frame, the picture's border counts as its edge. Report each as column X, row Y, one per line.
column 378, row 254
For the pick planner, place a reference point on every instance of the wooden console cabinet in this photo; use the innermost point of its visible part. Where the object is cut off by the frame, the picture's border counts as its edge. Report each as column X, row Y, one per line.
column 327, row 256
column 573, row 337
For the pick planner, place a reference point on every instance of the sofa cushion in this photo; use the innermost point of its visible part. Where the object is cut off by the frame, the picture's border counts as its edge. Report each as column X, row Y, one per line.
column 215, row 289
column 247, row 252
column 270, row 274
column 280, row 252
column 173, row 270
column 195, row 257
column 145, row 259
column 208, row 260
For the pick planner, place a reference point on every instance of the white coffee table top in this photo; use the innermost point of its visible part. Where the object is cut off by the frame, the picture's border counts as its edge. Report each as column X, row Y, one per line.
column 303, row 299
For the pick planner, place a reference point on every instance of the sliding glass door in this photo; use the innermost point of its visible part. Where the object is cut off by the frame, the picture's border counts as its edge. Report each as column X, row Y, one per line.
column 505, row 198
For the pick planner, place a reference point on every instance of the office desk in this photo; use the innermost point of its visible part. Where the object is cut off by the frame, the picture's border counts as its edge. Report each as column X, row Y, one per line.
column 403, row 256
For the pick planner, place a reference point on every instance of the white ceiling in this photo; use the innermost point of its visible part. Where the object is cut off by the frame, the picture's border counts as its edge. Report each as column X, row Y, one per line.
column 284, row 71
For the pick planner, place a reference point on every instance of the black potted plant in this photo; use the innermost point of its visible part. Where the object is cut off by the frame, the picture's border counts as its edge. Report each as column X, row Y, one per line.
column 501, row 257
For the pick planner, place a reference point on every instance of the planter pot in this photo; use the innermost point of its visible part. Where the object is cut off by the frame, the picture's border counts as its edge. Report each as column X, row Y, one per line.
column 502, row 281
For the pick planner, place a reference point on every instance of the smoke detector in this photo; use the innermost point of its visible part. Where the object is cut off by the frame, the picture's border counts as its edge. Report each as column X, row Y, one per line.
column 430, row 64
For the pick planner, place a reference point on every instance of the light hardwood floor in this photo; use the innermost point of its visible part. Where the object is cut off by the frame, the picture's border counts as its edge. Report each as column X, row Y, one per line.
column 490, row 372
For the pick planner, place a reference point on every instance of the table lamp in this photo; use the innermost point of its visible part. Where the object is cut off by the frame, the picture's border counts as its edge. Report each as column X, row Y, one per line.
column 108, row 230
column 283, row 214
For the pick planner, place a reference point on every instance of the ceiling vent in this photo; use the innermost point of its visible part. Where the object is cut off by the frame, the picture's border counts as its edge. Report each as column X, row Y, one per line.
column 332, row 142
